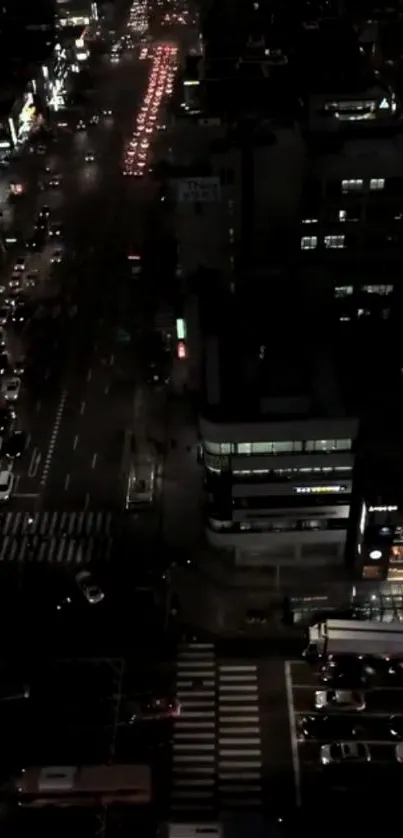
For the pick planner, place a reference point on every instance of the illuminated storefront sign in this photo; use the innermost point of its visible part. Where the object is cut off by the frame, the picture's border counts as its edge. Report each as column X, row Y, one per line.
column 319, row 490
column 80, row 20
column 382, row 509
column 13, row 131
column 27, row 115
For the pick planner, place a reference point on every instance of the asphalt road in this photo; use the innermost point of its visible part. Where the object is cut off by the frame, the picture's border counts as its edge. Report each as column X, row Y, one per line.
column 80, row 384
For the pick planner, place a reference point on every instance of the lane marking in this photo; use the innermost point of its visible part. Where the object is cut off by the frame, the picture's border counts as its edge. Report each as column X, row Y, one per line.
column 53, row 439
column 34, row 464
column 38, row 406
column 75, row 443
column 89, row 375
column 293, row 734
column 94, row 460
column 82, row 408
column 106, row 391
column 66, row 482
column 111, row 360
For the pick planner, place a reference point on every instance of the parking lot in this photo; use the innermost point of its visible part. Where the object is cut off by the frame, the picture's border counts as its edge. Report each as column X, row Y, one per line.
column 379, row 726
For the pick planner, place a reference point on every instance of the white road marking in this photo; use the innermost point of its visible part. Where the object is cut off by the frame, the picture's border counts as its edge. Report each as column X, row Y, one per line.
column 89, row 375
column 75, row 443
column 38, row 406
column 53, row 439
column 94, row 460
column 293, row 734
column 82, row 408
column 106, row 391
column 66, row 482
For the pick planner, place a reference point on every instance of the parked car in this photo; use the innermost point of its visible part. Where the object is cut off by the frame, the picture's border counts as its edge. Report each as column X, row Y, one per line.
column 92, row 592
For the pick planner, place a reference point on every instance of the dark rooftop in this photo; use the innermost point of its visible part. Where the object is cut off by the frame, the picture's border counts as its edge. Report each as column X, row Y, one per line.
column 267, row 358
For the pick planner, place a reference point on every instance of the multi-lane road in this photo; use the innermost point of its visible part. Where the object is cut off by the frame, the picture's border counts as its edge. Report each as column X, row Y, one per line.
column 82, row 375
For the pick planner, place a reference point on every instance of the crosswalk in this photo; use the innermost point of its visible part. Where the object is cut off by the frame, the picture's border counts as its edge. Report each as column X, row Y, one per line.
column 66, row 538
column 217, row 757
column 85, row 523
column 239, row 744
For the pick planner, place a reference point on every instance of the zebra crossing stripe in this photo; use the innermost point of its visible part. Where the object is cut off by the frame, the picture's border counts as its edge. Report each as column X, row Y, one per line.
column 55, row 537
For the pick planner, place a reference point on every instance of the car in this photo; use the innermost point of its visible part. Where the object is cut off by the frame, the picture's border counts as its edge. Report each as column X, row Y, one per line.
column 19, row 367
column 339, row 700
column 55, row 181
column 92, row 592
column 14, row 446
column 19, row 312
column 106, row 112
column 151, row 708
column 347, row 672
column 4, row 314
column 4, row 362
column 89, row 157
column 6, row 485
column 395, row 727
column 3, row 337
column 56, row 257
column 19, row 265
column 345, row 752
column 37, row 241
column 326, row 727
column 31, row 279
column 44, row 212
column 94, row 119
column 7, row 417
column 11, row 389
column 15, row 282
column 55, row 230
column 81, row 126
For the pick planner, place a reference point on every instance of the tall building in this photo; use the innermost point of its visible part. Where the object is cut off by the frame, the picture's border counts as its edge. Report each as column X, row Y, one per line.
column 27, row 35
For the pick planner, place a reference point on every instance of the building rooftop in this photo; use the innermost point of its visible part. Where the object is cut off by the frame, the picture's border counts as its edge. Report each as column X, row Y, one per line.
column 266, row 360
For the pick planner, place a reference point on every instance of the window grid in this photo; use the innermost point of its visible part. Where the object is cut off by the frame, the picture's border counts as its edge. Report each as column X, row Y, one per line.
column 278, row 447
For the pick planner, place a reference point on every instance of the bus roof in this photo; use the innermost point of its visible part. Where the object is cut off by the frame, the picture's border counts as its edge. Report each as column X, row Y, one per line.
column 85, row 778
column 195, row 830
column 365, row 643
column 363, row 626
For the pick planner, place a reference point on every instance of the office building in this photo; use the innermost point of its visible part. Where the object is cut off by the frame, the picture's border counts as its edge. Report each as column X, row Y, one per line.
column 278, row 437
column 27, row 35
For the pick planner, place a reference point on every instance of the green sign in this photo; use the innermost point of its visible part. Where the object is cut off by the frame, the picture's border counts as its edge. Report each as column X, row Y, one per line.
column 123, row 336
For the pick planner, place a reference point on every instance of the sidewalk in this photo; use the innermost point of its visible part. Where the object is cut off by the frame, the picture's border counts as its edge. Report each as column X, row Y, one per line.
column 183, row 479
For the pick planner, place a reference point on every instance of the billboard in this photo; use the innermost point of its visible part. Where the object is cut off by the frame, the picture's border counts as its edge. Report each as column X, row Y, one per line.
column 199, row 190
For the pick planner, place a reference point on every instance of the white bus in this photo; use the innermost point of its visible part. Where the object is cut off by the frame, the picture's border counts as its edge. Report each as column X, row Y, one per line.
column 85, row 785
column 356, row 637
column 195, row 830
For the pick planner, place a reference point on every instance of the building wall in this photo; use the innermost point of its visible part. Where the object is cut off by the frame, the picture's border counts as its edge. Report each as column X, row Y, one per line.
column 280, row 489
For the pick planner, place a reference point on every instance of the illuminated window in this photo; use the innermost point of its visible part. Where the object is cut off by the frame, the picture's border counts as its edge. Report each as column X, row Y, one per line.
column 310, row 221
column 327, row 446
column 354, row 185
column 343, row 290
column 309, row 242
column 335, row 242
column 378, row 289
column 377, row 183
column 217, row 447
